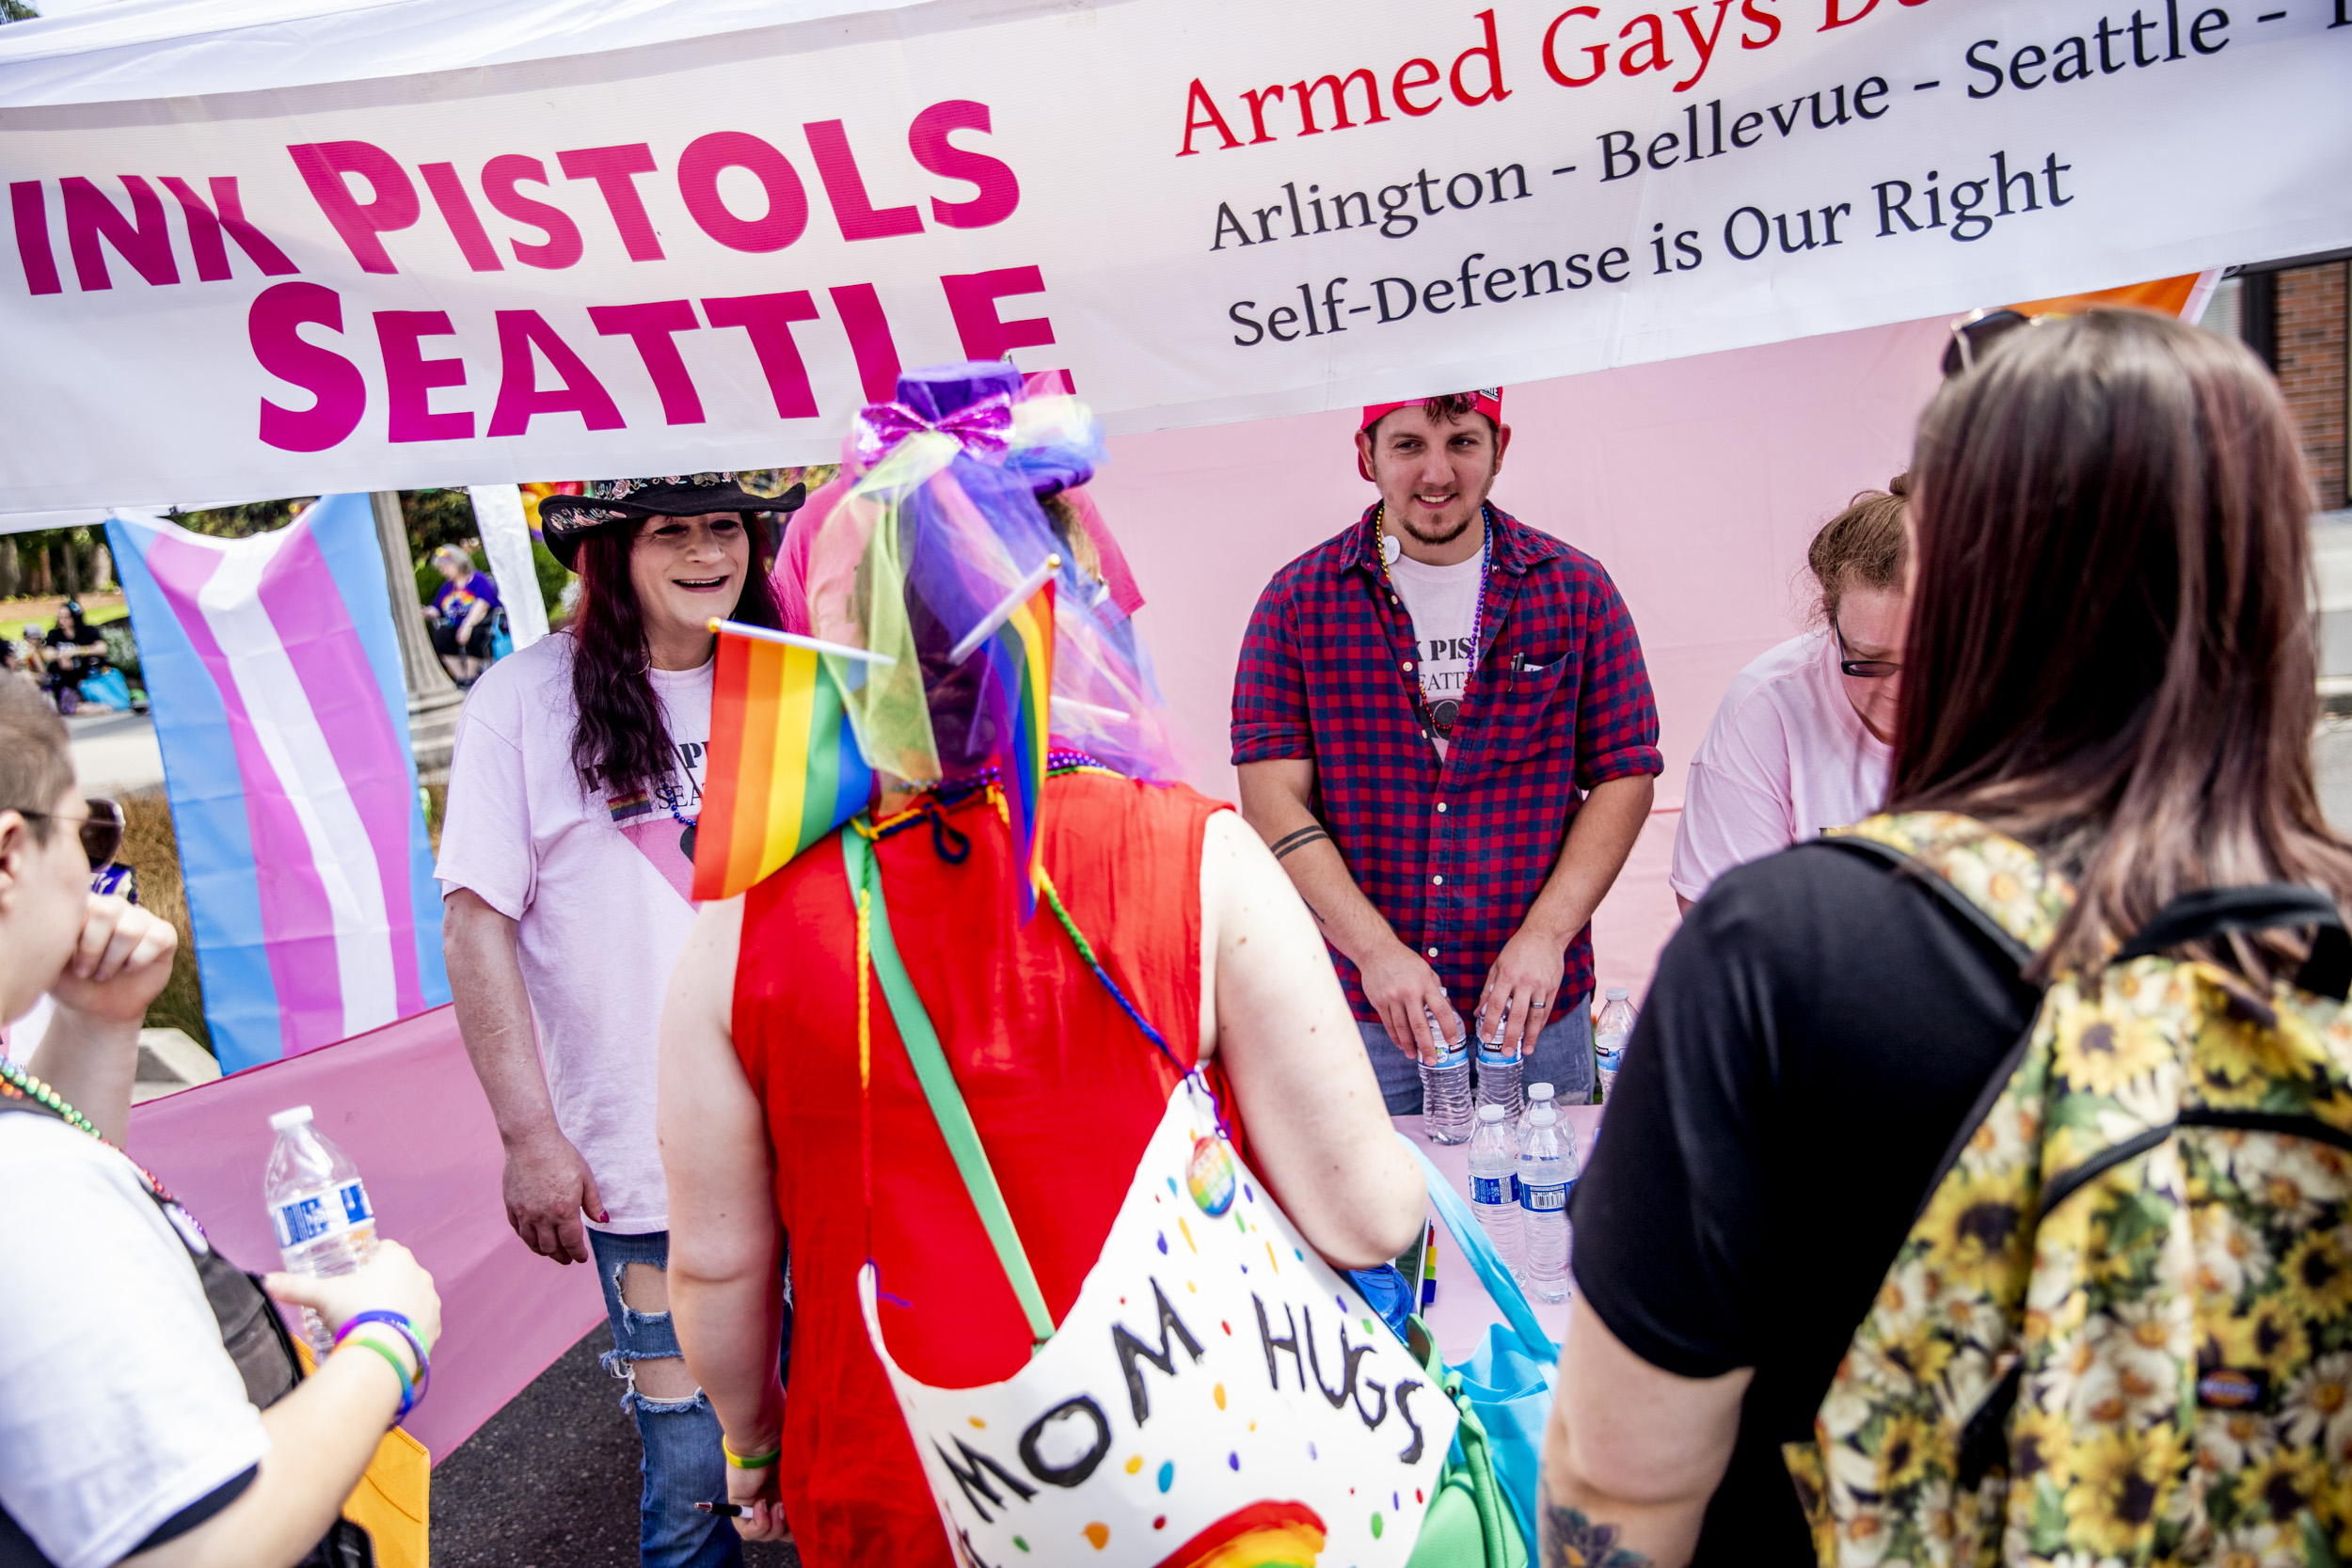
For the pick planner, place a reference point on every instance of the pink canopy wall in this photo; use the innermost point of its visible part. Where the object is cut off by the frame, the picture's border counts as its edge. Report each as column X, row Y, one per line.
column 1697, row 483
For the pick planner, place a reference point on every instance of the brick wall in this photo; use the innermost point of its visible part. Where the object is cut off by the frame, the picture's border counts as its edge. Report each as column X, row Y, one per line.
column 2311, row 369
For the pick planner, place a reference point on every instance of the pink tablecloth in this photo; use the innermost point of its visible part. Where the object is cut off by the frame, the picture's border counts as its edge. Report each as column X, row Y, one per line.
column 1462, row 1310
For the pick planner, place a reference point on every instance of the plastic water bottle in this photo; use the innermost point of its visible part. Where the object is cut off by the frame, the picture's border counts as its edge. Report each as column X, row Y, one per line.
column 1445, row 1087
column 1538, row 1094
column 1494, row 1160
column 319, row 1207
column 1499, row 1074
column 1610, row 1031
column 1547, row 1176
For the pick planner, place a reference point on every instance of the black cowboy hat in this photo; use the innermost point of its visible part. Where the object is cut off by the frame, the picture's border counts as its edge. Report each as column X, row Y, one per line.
column 565, row 520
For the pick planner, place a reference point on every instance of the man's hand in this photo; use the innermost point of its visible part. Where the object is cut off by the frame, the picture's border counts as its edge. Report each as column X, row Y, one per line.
column 1522, row 988
column 1399, row 983
column 121, row 963
column 548, row 1186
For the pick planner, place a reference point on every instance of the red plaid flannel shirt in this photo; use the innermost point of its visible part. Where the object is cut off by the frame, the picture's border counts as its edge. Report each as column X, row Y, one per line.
column 1451, row 851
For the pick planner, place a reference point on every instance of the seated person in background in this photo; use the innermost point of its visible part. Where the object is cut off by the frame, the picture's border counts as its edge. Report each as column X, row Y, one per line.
column 2112, row 663
column 1801, row 740
column 75, row 650
column 128, row 1432
column 463, row 609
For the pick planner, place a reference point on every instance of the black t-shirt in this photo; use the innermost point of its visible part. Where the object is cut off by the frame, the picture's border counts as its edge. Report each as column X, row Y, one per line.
column 1814, row 1035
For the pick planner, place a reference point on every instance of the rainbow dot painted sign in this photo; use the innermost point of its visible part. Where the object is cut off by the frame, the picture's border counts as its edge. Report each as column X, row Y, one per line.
column 1216, row 1395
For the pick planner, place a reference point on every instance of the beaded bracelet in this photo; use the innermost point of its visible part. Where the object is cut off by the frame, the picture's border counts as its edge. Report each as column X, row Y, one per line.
column 750, row 1462
column 400, row 1370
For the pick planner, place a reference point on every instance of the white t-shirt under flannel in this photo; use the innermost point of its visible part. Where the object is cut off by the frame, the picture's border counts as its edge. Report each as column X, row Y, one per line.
column 1443, row 603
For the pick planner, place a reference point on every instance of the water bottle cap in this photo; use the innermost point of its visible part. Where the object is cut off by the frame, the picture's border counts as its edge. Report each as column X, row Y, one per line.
column 298, row 1117
column 1616, row 994
column 1490, row 1113
column 1540, row 1091
column 1542, row 1115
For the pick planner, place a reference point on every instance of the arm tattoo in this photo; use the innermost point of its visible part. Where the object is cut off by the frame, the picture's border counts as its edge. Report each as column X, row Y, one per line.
column 1572, row 1541
column 1290, row 844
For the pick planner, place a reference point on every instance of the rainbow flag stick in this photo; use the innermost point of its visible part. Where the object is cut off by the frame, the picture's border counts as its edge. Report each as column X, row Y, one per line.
column 1004, row 611
column 794, row 640
column 1090, row 711
column 783, row 769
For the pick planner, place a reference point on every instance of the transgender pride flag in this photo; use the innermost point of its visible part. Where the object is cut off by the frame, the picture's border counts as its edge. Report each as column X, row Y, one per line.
column 276, row 682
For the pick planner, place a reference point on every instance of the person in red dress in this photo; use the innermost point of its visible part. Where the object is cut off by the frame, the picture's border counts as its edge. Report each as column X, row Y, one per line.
column 762, row 1112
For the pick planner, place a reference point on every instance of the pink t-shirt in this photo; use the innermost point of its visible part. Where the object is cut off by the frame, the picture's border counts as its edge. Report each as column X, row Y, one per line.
column 599, row 890
column 1786, row 757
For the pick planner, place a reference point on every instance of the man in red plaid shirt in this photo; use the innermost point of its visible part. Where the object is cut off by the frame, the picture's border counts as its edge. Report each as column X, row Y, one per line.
column 1444, row 729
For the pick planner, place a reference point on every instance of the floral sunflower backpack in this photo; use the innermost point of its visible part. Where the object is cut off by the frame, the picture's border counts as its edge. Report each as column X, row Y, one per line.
column 2120, row 1330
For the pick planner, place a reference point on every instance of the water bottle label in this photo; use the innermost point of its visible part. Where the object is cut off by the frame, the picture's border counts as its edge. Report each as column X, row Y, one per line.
column 1487, row 1189
column 304, row 1219
column 1455, row 1056
column 1547, row 1199
column 1495, row 1056
column 1515, row 1186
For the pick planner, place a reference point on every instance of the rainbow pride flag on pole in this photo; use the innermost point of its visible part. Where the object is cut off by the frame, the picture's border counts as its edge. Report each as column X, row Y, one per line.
column 1020, row 674
column 783, row 769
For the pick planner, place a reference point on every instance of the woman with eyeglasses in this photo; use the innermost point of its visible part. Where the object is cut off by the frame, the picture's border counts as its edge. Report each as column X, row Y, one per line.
column 1803, row 740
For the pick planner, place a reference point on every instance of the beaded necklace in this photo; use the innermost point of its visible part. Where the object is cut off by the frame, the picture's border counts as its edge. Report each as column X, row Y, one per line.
column 17, row 1084
column 1430, row 712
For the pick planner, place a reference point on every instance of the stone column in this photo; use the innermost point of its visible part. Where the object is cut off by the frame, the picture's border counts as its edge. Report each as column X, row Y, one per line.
column 433, row 697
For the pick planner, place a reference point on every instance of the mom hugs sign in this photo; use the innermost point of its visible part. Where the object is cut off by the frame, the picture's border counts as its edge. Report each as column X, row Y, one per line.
column 426, row 244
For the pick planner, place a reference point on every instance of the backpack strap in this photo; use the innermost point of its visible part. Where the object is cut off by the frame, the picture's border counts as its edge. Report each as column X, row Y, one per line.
column 2002, row 890
column 940, row 1089
column 1951, row 897
column 2208, row 911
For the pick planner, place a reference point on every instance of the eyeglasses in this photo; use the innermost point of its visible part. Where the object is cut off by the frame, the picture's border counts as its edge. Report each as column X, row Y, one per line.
column 101, row 831
column 1977, row 331
column 1861, row 669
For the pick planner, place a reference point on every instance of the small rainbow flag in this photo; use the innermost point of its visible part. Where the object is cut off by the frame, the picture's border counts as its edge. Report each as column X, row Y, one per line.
column 1021, row 671
column 783, row 770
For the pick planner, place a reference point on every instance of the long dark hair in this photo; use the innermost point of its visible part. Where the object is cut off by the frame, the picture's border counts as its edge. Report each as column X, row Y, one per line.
column 619, row 742
column 2110, row 652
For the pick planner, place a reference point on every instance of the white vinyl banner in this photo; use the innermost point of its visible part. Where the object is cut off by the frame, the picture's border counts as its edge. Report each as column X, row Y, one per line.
column 709, row 251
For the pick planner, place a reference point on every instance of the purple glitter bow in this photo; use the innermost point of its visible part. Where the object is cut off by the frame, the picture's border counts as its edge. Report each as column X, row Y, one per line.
column 982, row 429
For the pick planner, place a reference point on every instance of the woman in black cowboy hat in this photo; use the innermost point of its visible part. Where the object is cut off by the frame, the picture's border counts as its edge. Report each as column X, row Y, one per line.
column 566, row 866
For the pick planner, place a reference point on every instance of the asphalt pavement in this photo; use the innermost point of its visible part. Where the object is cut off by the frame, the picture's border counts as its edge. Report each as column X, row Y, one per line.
column 551, row 1479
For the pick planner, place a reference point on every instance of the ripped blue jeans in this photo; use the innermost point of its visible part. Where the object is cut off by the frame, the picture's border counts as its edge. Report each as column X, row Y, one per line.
column 682, row 1464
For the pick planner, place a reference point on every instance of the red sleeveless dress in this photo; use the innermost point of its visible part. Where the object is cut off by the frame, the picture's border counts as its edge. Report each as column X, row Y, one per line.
column 1064, row 1089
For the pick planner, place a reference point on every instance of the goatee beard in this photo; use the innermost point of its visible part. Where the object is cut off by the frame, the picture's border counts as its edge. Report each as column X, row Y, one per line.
column 1438, row 540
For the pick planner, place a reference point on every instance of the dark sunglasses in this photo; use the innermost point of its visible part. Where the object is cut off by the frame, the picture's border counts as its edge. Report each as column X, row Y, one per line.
column 1861, row 669
column 1976, row 332
column 101, row 831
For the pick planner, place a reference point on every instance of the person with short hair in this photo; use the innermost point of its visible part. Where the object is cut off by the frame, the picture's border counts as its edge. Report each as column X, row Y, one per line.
column 129, row 1430
column 463, row 615
column 566, row 865
column 2110, row 659
column 1444, row 729
column 1804, row 739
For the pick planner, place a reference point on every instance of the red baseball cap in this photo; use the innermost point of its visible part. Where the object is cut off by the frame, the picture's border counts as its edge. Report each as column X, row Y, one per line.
column 1483, row 399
